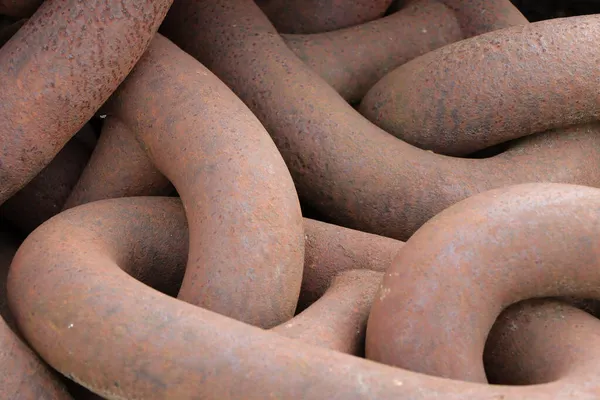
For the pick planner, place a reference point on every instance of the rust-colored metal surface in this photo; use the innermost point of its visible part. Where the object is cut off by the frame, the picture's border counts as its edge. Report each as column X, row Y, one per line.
column 338, row 319
column 483, row 154
column 44, row 196
column 477, row 17
column 118, row 167
column 352, row 60
column 454, row 276
column 246, row 233
column 492, row 88
column 331, row 250
column 22, row 374
column 58, row 69
column 343, row 165
column 541, row 341
column 56, row 277
column 315, row 16
column 557, row 157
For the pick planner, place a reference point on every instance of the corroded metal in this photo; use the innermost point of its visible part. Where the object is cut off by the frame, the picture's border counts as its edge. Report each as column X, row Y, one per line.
column 118, row 167
column 452, row 279
column 44, row 196
column 338, row 319
column 246, row 232
column 541, row 341
column 477, row 17
column 151, row 336
column 314, row 16
column 58, row 69
column 331, row 250
column 492, row 88
column 344, row 166
column 22, row 374
column 352, row 60
column 228, row 292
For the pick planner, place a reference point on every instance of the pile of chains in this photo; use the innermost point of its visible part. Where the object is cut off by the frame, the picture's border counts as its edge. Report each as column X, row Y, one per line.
column 298, row 199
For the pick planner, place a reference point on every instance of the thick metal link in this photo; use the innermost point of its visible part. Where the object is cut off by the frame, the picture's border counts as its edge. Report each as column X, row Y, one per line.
column 454, row 125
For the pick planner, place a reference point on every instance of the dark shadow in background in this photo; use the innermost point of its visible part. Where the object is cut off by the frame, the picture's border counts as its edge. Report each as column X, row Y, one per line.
column 537, row 10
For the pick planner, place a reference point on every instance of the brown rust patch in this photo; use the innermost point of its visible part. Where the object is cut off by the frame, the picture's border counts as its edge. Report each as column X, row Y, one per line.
column 58, row 69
